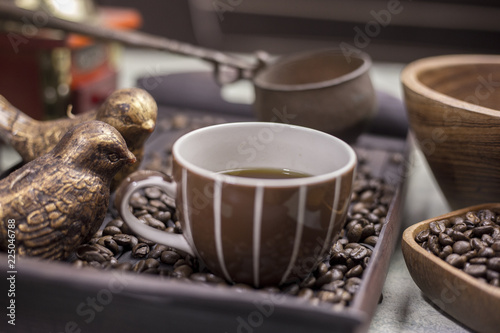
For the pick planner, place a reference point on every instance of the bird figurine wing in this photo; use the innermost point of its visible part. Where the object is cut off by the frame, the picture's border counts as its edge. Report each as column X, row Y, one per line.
column 59, row 200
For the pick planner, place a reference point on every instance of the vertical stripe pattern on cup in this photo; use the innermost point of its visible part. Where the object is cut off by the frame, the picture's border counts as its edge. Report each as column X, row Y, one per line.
column 217, row 227
column 333, row 217
column 257, row 224
column 187, row 222
column 298, row 231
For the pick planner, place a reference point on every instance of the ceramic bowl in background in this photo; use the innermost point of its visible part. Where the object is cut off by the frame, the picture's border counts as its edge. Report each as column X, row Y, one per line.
column 325, row 90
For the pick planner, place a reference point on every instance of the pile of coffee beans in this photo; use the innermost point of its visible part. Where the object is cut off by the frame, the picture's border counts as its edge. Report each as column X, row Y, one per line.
column 470, row 243
column 335, row 280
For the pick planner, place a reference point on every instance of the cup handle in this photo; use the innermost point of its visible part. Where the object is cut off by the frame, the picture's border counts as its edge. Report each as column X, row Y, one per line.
column 136, row 181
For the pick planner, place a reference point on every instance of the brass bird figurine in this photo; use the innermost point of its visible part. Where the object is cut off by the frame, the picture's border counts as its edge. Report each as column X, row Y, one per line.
column 131, row 111
column 60, row 199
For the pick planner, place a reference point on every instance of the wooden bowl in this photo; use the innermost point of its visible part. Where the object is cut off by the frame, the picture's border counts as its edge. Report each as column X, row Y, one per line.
column 453, row 105
column 468, row 300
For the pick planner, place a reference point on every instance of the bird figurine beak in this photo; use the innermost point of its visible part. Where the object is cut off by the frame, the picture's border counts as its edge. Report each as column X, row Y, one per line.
column 148, row 126
column 131, row 158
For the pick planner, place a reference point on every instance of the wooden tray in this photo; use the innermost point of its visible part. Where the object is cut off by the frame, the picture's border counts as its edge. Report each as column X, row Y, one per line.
column 57, row 297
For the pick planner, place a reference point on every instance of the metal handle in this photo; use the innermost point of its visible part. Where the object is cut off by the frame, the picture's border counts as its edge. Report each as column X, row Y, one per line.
column 240, row 68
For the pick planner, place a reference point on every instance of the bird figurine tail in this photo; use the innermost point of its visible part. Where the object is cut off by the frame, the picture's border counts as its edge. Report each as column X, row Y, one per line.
column 13, row 121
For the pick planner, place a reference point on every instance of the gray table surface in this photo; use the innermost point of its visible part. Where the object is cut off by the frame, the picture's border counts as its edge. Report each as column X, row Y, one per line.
column 403, row 309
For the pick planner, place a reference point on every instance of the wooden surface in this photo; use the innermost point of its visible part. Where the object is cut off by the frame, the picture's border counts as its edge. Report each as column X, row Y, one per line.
column 452, row 107
column 462, row 296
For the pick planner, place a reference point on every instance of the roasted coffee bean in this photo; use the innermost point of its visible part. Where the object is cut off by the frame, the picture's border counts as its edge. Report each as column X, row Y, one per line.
column 211, row 278
column 321, row 269
column 324, row 279
column 152, row 222
column 356, row 271
column 487, row 239
column 446, row 251
column 444, row 239
column 152, row 192
column 163, row 216
column 139, row 266
column 125, row 266
column 107, row 253
column 160, row 247
column 471, row 216
column 183, row 271
column 169, row 257
column 433, row 244
column 359, row 253
column 109, row 242
column 158, row 204
column 437, row 227
column 115, row 223
column 481, row 230
column 352, row 284
column 354, row 233
column 138, row 201
column 491, row 275
column 423, row 236
column 458, row 236
column 494, row 264
column 198, row 277
column 460, row 227
column 334, row 285
column 155, row 253
column 475, row 270
column 146, row 241
column 152, row 263
column 329, row 296
column 486, row 252
column 461, row 247
column 150, row 270
column 456, row 260
column 478, row 261
column 305, row 293
column 111, row 230
column 125, row 240
column 140, row 250
column 468, row 233
column 496, row 246
column 372, row 240
column 477, row 244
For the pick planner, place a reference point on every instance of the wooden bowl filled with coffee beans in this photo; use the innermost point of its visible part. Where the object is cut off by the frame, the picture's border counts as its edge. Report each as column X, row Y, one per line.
column 455, row 260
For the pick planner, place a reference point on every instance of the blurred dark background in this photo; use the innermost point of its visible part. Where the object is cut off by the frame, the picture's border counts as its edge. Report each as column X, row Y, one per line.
column 389, row 30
